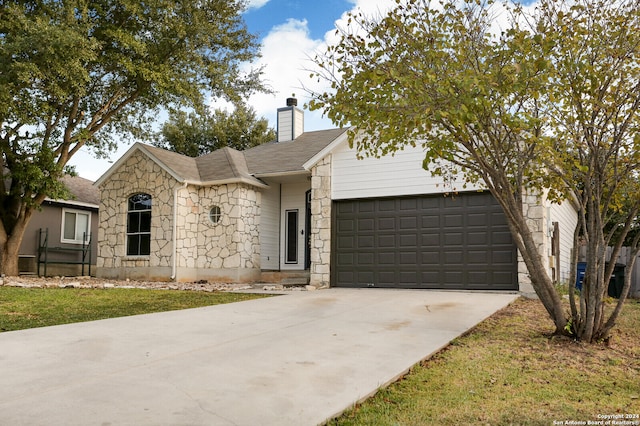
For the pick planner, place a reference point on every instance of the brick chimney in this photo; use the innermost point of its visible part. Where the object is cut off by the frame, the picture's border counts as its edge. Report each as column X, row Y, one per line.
column 290, row 121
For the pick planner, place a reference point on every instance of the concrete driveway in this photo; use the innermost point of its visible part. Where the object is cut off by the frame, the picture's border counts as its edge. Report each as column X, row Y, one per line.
column 298, row 359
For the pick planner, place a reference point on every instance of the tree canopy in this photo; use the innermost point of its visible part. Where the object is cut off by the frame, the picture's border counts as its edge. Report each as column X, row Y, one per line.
column 546, row 107
column 196, row 134
column 92, row 73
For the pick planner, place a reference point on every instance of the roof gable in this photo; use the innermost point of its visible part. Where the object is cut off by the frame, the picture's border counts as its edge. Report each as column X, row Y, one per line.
column 223, row 164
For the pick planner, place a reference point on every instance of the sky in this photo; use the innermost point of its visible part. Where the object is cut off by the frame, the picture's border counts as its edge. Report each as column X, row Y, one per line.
column 291, row 32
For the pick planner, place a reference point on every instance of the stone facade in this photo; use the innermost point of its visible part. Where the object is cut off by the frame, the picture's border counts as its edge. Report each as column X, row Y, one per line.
column 320, row 274
column 537, row 218
column 228, row 250
column 224, row 251
column 137, row 175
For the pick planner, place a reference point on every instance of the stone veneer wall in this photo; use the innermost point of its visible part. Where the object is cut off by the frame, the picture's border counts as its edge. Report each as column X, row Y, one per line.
column 320, row 274
column 138, row 174
column 226, row 251
column 536, row 214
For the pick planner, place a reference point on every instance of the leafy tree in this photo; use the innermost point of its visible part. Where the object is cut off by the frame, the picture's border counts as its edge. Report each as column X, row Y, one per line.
column 547, row 108
column 90, row 73
column 197, row 134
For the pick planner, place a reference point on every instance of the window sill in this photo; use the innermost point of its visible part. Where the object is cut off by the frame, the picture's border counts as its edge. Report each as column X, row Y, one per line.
column 76, row 242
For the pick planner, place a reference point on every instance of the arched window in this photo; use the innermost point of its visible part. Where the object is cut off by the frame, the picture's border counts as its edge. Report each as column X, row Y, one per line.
column 139, row 225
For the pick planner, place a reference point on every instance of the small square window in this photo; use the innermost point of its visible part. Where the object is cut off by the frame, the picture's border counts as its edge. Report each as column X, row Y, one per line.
column 215, row 214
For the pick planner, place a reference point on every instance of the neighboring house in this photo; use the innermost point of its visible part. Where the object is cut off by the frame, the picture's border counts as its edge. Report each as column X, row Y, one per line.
column 68, row 226
column 307, row 203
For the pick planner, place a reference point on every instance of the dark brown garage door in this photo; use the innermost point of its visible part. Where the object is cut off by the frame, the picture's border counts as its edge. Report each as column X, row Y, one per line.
column 457, row 242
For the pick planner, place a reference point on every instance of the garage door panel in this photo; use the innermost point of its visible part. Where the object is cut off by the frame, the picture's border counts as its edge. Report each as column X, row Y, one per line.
column 453, row 277
column 406, row 241
column 431, row 257
column 432, row 240
column 478, row 257
column 453, row 221
column 407, row 223
column 452, row 238
column 408, row 278
column 501, row 237
column 366, row 259
column 408, row 204
column 387, row 224
column 459, row 242
column 430, row 221
column 478, row 278
column 346, row 242
column 430, row 277
column 477, row 238
column 502, row 279
column 408, row 258
column 346, row 276
column 345, row 259
column 497, row 218
column 366, row 224
column 386, row 205
column 477, row 219
column 346, row 225
column 453, row 257
column 502, row 257
column 387, row 241
column 365, row 206
column 387, row 258
column 387, row 278
column 365, row 242
column 366, row 277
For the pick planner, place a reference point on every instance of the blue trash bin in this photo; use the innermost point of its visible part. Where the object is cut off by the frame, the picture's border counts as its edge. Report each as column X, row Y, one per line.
column 581, row 269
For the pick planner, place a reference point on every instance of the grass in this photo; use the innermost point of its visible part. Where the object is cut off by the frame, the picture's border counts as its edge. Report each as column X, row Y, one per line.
column 22, row 308
column 509, row 371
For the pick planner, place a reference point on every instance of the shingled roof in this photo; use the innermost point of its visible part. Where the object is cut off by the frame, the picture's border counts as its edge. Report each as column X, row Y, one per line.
column 82, row 191
column 284, row 157
column 230, row 165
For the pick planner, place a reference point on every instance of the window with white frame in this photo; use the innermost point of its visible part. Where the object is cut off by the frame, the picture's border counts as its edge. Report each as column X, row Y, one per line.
column 76, row 226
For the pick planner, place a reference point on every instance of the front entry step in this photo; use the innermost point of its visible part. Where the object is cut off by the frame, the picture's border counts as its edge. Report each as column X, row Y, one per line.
column 286, row 278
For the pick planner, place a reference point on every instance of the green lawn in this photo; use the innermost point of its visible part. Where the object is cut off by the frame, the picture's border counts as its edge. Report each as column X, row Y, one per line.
column 22, row 308
column 508, row 371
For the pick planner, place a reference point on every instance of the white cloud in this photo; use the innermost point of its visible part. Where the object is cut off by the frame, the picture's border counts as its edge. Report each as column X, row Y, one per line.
column 256, row 4
column 287, row 54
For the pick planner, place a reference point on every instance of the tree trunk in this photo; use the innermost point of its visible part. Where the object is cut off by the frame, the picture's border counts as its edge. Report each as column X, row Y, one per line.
column 526, row 244
column 10, row 256
column 10, row 243
column 543, row 284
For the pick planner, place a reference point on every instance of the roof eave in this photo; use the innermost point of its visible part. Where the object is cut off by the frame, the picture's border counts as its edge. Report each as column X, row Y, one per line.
column 277, row 174
column 248, row 181
column 73, row 203
column 326, row 150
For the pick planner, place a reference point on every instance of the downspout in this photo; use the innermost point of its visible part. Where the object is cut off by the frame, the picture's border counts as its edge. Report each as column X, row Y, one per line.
column 174, row 234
